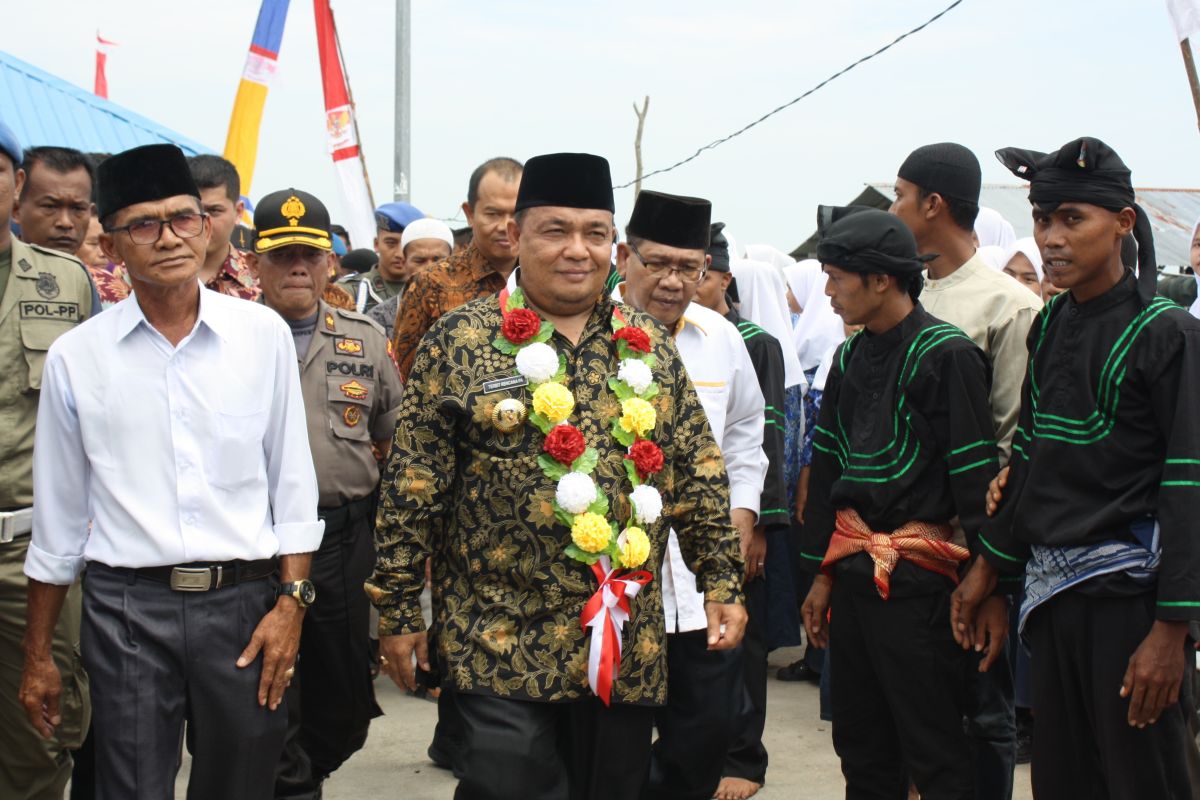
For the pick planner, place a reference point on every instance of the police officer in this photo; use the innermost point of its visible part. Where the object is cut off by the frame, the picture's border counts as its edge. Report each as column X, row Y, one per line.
column 43, row 293
column 388, row 277
column 351, row 391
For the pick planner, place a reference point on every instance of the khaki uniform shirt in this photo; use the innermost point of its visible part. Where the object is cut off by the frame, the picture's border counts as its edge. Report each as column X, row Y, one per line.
column 47, row 294
column 369, row 289
column 351, row 391
column 996, row 312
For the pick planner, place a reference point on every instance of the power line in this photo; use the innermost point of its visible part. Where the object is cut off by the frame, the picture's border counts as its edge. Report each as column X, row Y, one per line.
column 793, row 102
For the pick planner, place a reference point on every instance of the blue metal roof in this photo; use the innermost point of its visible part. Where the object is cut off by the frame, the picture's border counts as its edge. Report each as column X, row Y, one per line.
column 45, row 110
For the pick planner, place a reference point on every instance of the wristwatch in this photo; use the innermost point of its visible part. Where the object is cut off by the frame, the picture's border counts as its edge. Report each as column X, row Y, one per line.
column 303, row 592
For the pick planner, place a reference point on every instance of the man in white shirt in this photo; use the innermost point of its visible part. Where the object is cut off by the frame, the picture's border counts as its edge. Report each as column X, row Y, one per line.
column 662, row 261
column 172, row 459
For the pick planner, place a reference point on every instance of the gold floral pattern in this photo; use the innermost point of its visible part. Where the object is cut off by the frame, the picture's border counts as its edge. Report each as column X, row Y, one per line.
column 507, row 599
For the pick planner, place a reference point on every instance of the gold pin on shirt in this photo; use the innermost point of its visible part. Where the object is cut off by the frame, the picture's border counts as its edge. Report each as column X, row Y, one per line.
column 508, row 415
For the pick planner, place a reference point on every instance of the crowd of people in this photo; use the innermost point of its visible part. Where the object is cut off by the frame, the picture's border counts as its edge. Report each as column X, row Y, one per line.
column 576, row 479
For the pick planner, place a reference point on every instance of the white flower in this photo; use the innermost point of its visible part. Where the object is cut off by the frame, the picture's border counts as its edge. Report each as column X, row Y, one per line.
column 647, row 504
column 537, row 362
column 575, row 492
column 636, row 374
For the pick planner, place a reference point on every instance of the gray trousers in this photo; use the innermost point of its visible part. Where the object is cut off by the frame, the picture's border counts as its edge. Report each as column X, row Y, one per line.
column 158, row 658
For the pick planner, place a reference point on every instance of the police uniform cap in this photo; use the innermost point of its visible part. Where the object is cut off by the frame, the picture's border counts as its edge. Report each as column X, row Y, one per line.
column 291, row 216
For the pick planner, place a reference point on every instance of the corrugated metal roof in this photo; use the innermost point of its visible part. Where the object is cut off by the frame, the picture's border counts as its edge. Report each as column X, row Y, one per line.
column 1172, row 213
column 45, row 110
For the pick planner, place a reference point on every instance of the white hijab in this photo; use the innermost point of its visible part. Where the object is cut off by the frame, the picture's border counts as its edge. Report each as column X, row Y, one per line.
column 994, row 256
column 819, row 328
column 768, row 254
column 993, row 229
column 762, row 299
column 1028, row 248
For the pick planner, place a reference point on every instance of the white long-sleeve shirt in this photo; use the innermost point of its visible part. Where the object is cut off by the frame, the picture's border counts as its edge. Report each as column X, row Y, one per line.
column 719, row 365
column 197, row 452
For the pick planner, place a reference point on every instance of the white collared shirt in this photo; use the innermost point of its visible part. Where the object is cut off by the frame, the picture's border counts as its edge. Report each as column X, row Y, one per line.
column 719, row 365
column 197, row 452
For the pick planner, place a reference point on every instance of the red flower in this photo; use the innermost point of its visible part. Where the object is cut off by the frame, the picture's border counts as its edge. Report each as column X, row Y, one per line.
column 636, row 338
column 646, row 456
column 520, row 325
column 564, row 443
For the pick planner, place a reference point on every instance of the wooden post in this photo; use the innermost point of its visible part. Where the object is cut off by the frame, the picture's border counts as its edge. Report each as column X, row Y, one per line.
column 1190, row 63
column 637, row 143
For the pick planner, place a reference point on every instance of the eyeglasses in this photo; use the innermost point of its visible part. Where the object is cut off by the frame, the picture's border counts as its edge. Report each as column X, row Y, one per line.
column 149, row 231
column 688, row 273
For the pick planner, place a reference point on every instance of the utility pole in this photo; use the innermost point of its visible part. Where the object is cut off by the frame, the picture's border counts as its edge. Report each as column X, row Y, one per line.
column 400, row 186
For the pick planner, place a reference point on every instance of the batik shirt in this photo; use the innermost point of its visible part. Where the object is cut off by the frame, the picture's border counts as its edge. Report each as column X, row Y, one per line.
column 234, row 278
column 507, row 599
column 1108, row 437
column 904, row 434
column 434, row 291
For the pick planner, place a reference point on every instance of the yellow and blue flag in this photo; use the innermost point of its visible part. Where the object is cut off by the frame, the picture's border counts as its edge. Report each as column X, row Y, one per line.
column 241, row 145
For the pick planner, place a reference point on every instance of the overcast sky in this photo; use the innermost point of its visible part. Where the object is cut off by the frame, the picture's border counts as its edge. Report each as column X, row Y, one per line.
column 522, row 78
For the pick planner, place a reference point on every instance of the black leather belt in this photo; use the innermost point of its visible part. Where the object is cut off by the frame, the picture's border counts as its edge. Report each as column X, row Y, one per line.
column 204, row 577
column 339, row 517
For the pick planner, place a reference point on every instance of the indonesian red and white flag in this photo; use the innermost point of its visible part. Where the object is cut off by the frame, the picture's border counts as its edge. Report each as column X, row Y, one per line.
column 102, row 47
column 1185, row 16
column 342, row 133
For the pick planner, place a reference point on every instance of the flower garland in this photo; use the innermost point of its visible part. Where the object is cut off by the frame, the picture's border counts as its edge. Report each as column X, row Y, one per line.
column 568, row 459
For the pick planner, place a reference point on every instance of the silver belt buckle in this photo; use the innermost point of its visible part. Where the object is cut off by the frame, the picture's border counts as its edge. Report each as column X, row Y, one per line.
column 191, row 579
column 8, row 527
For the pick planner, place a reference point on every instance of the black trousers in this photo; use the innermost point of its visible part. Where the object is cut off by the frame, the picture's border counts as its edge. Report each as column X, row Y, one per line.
column 747, row 757
column 579, row 750
column 696, row 726
column 332, row 698
column 158, row 658
column 898, row 696
column 1082, row 744
column 992, row 723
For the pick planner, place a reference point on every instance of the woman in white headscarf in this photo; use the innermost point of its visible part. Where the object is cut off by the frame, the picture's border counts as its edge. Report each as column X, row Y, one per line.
column 991, row 228
column 762, row 299
column 1024, row 262
column 768, row 255
column 992, row 255
column 816, row 329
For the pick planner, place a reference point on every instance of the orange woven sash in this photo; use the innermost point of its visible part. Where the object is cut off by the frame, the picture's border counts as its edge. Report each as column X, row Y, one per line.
column 925, row 544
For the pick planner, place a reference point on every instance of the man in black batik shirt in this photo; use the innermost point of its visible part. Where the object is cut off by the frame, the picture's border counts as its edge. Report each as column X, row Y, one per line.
column 904, row 444
column 1100, row 507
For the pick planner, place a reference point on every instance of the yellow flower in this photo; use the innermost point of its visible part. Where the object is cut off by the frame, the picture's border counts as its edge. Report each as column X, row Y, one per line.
column 637, row 416
column 635, row 547
column 554, row 402
column 590, row 532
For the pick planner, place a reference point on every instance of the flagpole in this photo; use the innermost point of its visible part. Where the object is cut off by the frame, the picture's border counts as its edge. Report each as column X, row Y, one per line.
column 401, row 189
column 337, row 39
column 1189, row 62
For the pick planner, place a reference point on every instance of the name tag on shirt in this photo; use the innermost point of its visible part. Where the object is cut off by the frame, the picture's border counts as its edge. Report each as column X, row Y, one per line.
column 44, row 309
column 503, row 384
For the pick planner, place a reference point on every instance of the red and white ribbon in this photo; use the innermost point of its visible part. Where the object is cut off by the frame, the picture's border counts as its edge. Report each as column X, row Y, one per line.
column 606, row 613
